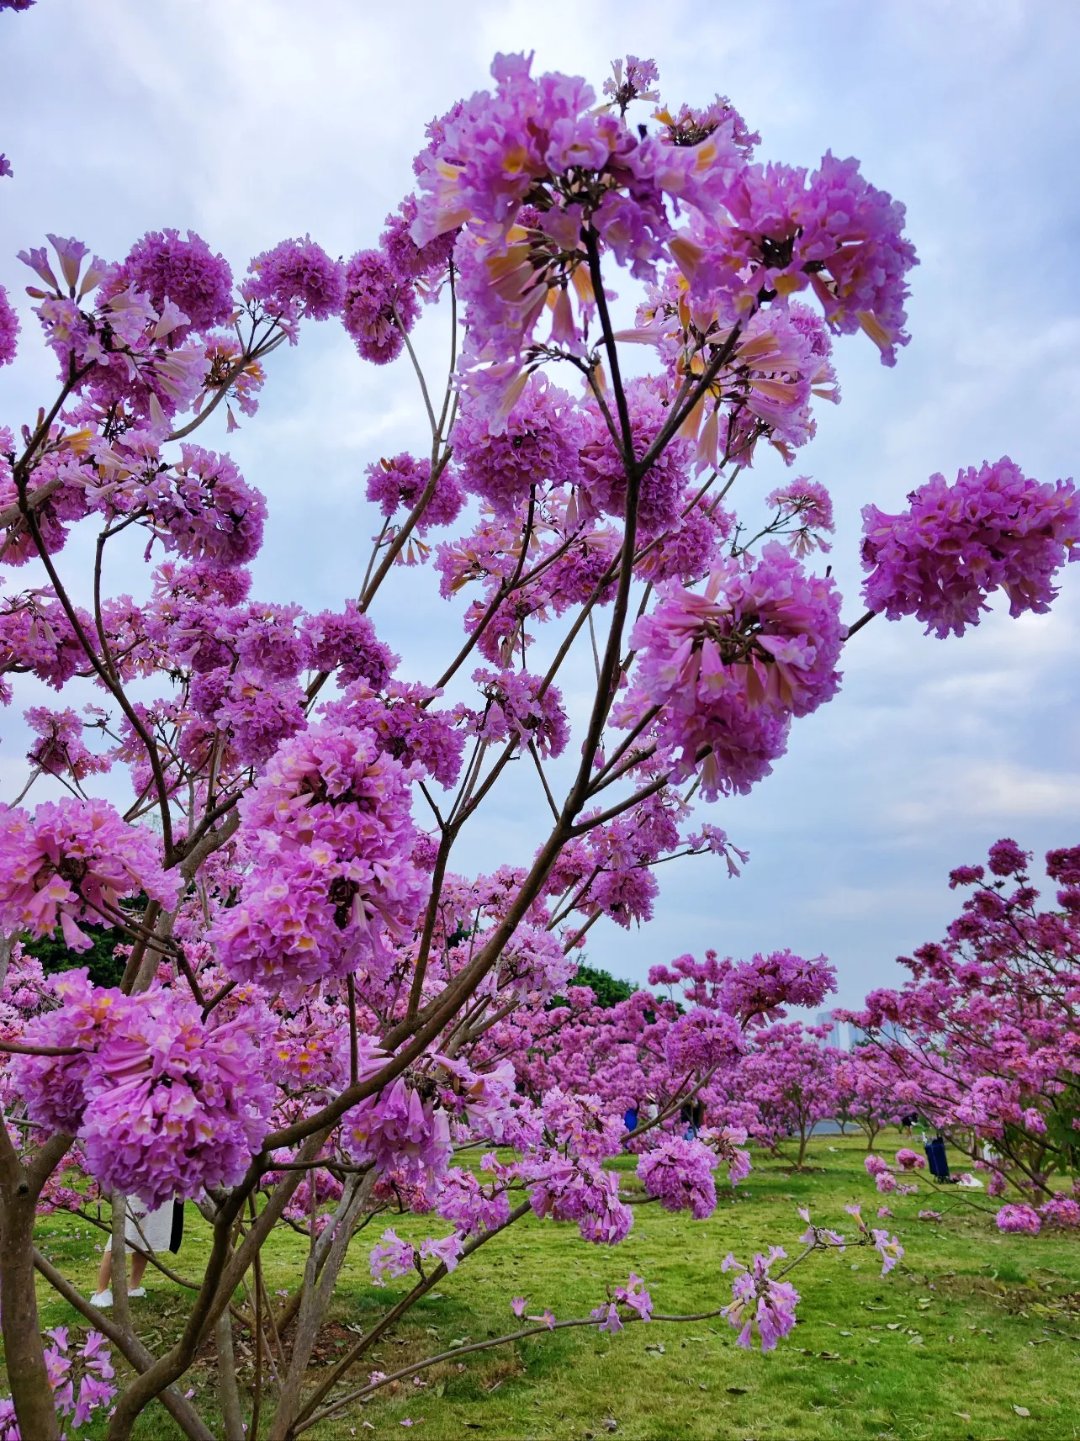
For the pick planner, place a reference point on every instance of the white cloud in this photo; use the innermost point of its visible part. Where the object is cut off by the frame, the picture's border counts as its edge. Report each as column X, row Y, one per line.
column 1009, row 795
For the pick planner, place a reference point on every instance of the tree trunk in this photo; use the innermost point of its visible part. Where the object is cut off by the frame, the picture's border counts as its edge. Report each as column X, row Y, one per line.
column 232, row 1416
column 23, row 1350
column 318, row 1292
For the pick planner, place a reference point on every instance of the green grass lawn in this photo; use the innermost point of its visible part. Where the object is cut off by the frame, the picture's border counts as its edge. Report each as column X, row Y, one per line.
column 975, row 1334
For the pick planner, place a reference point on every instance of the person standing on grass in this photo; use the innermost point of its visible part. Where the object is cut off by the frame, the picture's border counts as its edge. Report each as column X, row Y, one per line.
column 145, row 1232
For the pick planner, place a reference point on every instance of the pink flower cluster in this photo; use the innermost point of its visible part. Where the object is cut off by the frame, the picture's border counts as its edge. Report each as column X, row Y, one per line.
column 205, row 510
column 72, row 861
column 399, row 1131
column 992, row 529
column 1024, row 1219
column 60, row 750
column 517, row 710
column 9, row 327
column 398, row 483
column 1061, row 1211
column 90, row 1366
column 702, row 1040
column 164, row 1103
column 380, row 307
column 679, row 1174
column 760, row 1303
column 165, row 268
column 831, row 232
column 329, row 837
column 580, row 1191
column 296, row 279
column 909, row 1160
column 727, row 669
column 538, row 447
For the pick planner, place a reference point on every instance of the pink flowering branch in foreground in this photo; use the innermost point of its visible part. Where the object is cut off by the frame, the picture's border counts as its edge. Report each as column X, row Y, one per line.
column 320, row 1018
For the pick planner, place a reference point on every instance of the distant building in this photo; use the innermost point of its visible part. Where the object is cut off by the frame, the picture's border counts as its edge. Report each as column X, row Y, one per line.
column 838, row 1030
column 890, row 1031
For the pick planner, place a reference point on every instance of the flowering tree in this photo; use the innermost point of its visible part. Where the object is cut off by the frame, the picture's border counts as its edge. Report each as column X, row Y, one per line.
column 790, row 1078
column 307, row 1027
column 865, row 1092
column 983, row 1038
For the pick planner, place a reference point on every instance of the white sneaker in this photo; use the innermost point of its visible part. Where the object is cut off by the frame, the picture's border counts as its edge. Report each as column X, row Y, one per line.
column 102, row 1300
column 138, row 1291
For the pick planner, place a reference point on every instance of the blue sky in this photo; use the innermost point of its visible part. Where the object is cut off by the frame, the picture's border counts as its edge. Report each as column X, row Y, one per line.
column 259, row 119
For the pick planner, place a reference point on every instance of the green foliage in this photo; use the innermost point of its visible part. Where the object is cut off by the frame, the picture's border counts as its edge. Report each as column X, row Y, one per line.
column 609, row 991
column 106, row 967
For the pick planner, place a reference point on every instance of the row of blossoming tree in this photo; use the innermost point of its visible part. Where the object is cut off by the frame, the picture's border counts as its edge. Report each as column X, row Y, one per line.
column 318, row 1011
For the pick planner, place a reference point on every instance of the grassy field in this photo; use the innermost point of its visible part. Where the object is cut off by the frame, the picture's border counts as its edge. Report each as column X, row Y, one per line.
column 975, row 1335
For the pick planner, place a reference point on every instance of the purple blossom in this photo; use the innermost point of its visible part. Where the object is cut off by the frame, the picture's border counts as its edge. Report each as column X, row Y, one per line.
column 60, row 749
column 398, row 483
column 538, row 447
column 296, row 278
column 679, row 1174
column 807, row 508
column 635, row 1296
column 346, row 642
column 447, row 1250
column 713, row 839
column 728, row 668
column 1061, row 1211
column 819, row 1235
column 399, row 1131
column 760, row 1301
column 9, row 328
column 426, row 264
column 909, row 1160
column 702, row 1040
column 516, row 710
column 888, row 1248
column 205, row 510
column 380, row 307
column 409, row 727
column 164, row 267
column 606, row 1315
column 955, row 544
column 581, row 1191
column 73, row 860
column 1024, row 1219
column 330, row 836
column 391, row 1256
column 172, row 1104
column 1005, row 858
